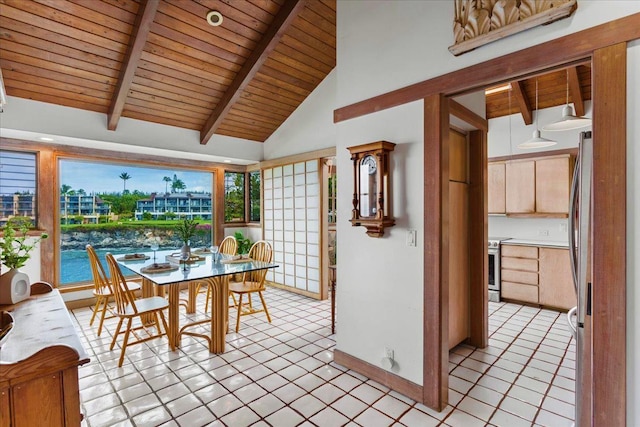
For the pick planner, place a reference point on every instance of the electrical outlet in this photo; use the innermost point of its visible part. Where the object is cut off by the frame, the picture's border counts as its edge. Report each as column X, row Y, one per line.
column 388, row 352
column 543, row 232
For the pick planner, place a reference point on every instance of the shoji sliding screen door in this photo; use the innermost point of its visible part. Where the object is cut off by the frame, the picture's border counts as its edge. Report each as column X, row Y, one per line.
column 292, row 223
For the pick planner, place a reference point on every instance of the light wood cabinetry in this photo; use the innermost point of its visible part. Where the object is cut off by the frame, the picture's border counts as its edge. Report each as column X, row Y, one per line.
column 530, row 187
column 39, row 366
column 556, row 281
column 537, row 275
column 521, row 187
column 496, row 186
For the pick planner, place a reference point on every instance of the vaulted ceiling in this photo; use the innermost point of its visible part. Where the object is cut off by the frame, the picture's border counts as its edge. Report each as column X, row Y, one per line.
column 160, row 61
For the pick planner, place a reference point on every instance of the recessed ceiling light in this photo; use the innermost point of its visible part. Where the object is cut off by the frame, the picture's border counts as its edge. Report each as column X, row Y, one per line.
column 227, row 161
column 44, row 138
column 214, row 18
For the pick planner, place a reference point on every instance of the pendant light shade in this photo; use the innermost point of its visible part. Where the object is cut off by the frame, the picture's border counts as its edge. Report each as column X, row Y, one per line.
column 536, row 141
column 569, row 121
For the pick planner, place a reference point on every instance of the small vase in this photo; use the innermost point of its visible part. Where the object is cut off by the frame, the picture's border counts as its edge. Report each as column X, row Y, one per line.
column 185, row 249
column 14, row 287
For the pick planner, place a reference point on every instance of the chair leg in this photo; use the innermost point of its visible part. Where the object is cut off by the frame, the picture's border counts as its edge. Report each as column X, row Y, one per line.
column 115, row 335
column 105, row 303
column 239, row 314
column 95, row 310
column 233, row 297
column 264, row 305
column 125, row 342
column 166, row 328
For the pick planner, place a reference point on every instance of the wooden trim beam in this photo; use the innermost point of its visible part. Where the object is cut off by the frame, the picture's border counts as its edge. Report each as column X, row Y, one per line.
column 436, row 253
column 517, row 65
column 296, row 158
column 575, row 92
column 288, row 12
column 144, row 19
column 609, row 236
column 523, row 101
column 478, row 237
column 466, row 115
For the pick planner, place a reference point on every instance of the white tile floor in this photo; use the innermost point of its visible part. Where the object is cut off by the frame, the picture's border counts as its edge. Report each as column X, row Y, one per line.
column 282, row 374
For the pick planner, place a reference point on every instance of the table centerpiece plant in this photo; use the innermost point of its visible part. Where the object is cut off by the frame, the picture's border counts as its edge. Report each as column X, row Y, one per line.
column 15, row 252
column 186, row 229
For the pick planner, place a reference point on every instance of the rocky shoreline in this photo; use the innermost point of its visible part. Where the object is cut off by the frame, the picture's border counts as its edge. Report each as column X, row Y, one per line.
column 130, row 238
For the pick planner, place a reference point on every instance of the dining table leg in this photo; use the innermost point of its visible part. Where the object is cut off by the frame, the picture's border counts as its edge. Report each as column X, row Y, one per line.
column 193, row 294
column 174, row 316
column 219, row 313
column 147, row 291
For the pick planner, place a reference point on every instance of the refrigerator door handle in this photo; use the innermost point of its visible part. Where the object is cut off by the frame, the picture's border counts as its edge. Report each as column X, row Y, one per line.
column 573, row 204
column 572, row 324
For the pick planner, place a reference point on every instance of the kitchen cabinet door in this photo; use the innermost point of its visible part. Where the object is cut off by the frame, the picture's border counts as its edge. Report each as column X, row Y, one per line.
column 553, row 180
column 556, row 287
column 497, row 187
column 520, row 187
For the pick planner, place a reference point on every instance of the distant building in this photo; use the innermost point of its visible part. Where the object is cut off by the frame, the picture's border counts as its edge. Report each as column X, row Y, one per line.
column 185, row 205
column 89, row 207
column 17, row 205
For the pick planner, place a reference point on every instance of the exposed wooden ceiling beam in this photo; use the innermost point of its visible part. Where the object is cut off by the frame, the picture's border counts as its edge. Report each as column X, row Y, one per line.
column 280, row 23
column 575, row 92
column 523, row 102
column 141, row 27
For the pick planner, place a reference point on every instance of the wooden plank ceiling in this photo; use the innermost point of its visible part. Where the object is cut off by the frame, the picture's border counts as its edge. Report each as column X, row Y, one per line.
column 552, row 91
column 160, row 61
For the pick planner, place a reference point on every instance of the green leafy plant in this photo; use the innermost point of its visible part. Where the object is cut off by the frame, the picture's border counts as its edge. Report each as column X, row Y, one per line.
column 244, row 244
column 186, row 229
column 15, row 250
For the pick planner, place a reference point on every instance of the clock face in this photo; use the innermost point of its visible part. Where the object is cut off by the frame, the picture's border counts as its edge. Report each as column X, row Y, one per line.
column 371, row 163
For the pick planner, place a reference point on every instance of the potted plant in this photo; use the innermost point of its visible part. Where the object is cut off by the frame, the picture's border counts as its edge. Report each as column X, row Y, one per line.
column 244, row 243
column 14, row 285
column 186, row 229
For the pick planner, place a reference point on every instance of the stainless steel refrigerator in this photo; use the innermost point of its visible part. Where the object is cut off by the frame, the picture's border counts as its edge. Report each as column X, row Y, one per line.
column 580, row 250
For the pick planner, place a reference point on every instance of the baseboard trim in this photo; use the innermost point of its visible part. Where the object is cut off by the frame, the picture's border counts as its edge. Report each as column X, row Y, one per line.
column 386, row 378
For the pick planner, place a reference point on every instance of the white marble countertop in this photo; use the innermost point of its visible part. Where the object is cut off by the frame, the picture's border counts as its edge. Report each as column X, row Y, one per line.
column 542, row 243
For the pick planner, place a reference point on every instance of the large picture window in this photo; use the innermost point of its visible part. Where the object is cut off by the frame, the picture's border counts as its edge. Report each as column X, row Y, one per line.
column 254, row 196
column 18, row 186
column 122, row 208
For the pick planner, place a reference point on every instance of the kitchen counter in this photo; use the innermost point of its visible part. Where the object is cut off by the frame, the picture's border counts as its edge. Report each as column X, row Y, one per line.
column 539, row 243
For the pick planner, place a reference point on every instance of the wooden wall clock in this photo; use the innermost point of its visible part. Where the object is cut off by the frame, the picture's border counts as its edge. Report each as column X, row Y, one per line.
column 372, row 201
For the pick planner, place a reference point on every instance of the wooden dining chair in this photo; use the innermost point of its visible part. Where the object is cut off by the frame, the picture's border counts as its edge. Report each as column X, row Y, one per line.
column 228, row 246
column 102, row 290
column 127, row 308
column 253, row 282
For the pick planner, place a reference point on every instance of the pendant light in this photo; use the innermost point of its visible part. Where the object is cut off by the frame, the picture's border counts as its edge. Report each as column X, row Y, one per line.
column 569, row 121
column 536, row 141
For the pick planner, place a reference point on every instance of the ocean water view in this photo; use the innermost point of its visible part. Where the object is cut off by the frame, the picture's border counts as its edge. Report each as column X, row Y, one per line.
column 74, row 264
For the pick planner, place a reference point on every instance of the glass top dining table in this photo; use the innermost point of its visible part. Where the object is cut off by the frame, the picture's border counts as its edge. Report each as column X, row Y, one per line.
column 167, row 271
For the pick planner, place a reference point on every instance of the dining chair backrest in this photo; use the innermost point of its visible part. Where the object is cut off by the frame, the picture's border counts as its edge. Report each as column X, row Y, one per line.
column 260, row 251
column 229, row 246
column 123, row 296
column 100, row 281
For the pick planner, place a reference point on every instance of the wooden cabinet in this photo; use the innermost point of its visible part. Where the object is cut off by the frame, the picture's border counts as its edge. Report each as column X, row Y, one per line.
column 530, row 187
column 519, row 273
column 39, row 366
column 537, row 275
column 556, row 281
column 553, row 182
column 521, row 187
column 496, row 187
column 458, row 263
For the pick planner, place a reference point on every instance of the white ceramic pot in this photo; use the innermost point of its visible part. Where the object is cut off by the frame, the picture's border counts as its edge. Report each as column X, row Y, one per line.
column 14, row 287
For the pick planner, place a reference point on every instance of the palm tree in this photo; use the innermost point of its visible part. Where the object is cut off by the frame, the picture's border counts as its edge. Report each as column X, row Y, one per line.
column 124, row 177
column 167, row 180
column 64, row 191
column 177, row 184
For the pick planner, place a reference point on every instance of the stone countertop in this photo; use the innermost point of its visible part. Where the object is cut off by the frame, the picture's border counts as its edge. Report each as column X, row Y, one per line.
column 541, row 243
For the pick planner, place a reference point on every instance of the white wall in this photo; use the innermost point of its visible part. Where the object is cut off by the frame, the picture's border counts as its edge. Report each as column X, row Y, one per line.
column 633, row 235
column 379, row 297
column 382, row 46
column 27, row 119
column 310, row 127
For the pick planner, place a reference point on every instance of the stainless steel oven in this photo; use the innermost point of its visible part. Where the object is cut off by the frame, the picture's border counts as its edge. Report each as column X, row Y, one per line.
column 494, row 267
